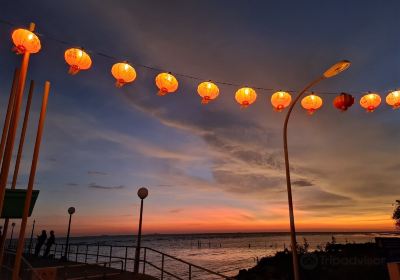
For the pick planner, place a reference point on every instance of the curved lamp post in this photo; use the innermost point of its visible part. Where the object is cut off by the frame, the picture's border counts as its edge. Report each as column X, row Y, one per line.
column 12, row 233
column 71, row 210
column 331, row 72
column 142, row 194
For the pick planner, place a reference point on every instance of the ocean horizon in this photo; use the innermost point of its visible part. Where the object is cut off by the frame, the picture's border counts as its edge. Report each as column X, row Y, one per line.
column 226, row 253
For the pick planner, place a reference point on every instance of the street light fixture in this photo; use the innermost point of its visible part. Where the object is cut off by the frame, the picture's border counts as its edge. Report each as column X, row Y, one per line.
column 331, row 72
column 71, row 211
column 142, row 194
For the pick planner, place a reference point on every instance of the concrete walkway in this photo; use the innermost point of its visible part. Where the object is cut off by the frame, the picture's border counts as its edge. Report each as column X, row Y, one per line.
column 74, row 270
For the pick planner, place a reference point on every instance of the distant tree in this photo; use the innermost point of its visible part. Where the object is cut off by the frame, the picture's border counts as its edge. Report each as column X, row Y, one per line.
column 396, row 214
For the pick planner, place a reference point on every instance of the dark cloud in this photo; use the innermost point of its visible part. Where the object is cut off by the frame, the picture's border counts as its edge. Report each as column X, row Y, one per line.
column 246, row 183
column 97, row 173
column 101, row 187
column 302, row 183
column 72, row 184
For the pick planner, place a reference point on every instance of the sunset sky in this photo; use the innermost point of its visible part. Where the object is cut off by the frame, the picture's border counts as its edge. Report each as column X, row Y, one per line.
column 214, row 168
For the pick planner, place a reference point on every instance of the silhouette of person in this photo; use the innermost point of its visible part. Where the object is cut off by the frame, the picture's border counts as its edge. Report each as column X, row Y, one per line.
column 50, row 241
column 40, row 241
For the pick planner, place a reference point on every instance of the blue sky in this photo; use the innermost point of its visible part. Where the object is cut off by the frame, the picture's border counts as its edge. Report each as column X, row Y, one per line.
column 214, row 167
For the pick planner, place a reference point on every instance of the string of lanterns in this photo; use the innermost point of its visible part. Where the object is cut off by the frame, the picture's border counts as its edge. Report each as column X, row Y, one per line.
column 124, row 73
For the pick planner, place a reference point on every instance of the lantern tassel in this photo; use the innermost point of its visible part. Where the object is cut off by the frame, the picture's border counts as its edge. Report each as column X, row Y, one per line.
column 119, row 83
column 19, row 49
column 162, row 92
column 73, row 70
column 205, row 100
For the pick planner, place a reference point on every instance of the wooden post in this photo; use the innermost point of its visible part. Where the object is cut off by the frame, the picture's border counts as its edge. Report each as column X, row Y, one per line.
column 162, row 266
column 126, row 256
column 87, row 248
column 97, row 255
column 32, row 174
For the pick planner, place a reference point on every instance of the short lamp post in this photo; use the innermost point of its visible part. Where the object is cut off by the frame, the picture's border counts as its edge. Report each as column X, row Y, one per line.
column 12, row 233
column 31, row 238
column 142, row 193
column 71, row 210
column 331, row 72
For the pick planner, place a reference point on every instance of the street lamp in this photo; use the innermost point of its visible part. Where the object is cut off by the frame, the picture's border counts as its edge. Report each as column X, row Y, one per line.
column 142, row 194
column 71, row 210
column 12, row 232
column 331, row 72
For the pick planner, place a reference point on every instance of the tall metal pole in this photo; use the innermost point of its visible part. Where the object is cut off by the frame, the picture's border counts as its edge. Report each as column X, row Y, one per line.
column 67, row 241
column 142, row 193
column 20, row 148
column 137, row 252
column 296, row 270
column 22, row 137
column 6, row 131
column 32, row 174
column 31, row 239
column 71, row 210
column 10, row 108
column 5, row 167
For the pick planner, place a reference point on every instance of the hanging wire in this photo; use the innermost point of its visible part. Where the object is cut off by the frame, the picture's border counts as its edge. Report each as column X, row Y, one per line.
column 187, row 76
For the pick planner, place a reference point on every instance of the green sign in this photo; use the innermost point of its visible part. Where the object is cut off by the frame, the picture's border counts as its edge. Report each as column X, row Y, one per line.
column 14, row 202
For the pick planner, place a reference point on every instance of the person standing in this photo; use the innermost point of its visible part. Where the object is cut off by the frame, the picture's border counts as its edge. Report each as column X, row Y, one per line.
column 40, row 241
column 50, row 241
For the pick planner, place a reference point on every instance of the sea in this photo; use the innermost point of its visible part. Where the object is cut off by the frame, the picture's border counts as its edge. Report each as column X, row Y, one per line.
column 224, row 253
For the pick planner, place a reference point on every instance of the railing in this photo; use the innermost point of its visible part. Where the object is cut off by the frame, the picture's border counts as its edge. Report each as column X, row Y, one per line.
column 27, row 271
column 152, row 262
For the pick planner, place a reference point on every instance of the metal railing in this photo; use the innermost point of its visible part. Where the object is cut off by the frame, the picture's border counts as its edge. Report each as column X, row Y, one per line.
column 27, row 271
column 153, row 262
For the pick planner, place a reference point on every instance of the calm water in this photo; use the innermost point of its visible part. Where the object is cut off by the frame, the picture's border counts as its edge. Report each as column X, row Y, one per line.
column 224, row 253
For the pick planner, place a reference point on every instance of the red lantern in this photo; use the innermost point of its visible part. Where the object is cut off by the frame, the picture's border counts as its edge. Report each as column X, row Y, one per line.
column 343, row 101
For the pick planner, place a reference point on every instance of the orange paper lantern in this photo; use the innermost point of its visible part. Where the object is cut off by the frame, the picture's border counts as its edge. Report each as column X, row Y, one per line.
column 123, row 73
column 311, row 103
column 370, row 101
column 166, row 83
column 245, row 96
column 280, row 100
column 25, row 41
column 77, row 59
column 393, row 99
column 208, row 91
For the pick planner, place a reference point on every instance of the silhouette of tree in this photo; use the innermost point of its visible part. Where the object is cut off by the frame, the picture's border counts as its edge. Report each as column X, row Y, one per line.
column 396, row 214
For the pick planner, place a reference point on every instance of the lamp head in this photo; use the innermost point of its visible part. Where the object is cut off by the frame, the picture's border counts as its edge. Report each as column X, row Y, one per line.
column 142, row 193
column 71, row 210
column 337, row 68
